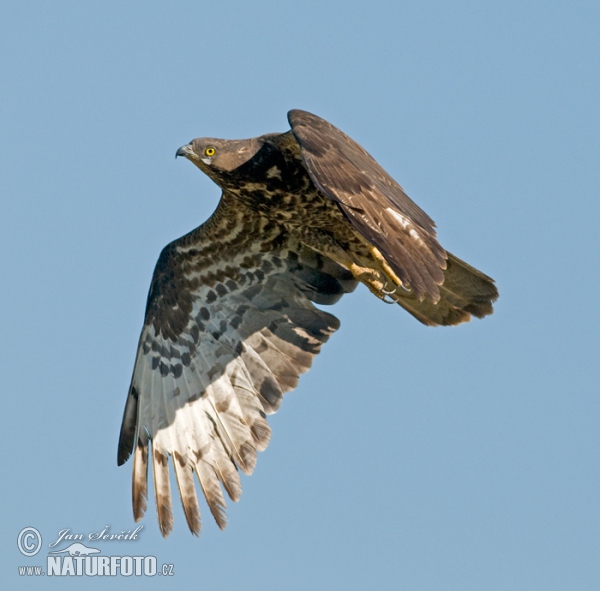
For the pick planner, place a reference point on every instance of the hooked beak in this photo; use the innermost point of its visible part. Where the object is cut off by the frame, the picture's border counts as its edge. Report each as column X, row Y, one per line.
column 185, row 151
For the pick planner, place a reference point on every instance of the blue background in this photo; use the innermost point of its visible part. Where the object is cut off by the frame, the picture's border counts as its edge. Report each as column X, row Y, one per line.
column 409, row 457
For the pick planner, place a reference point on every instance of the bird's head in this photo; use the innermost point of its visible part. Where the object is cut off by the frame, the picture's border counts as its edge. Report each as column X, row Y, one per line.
column 217, row 158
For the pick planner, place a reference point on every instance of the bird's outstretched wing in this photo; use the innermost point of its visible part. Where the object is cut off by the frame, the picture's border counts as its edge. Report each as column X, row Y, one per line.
column 229, row 327
column 442, row 289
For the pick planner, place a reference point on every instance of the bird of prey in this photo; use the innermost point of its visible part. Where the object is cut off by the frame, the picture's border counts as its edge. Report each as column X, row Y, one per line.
column 230, row 319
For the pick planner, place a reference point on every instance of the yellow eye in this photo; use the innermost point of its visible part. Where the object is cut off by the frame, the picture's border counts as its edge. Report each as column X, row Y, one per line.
column 210, row 151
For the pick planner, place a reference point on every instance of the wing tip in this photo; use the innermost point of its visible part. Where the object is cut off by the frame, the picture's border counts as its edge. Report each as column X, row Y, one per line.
column 184, row 473
column 139, row 489
column 162, row 491
column 128, row 427
column 209, row 481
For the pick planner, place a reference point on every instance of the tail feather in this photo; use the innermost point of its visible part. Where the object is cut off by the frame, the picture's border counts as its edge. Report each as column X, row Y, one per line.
column 465, row 292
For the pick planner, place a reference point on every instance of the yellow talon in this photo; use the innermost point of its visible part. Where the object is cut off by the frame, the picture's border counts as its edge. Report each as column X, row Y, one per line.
column 372, row 278
column 389, row 273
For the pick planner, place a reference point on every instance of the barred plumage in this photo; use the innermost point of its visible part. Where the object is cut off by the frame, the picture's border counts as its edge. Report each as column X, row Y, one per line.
column 230, row 323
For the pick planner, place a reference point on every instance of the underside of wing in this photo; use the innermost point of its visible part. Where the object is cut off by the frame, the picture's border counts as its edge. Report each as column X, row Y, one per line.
column 230, row 326
column 373, row 202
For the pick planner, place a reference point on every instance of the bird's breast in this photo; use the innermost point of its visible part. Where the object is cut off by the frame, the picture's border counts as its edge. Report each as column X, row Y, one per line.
column 306, row 207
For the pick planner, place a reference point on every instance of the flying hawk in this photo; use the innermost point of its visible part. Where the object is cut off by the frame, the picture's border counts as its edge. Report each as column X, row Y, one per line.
column 230, row 320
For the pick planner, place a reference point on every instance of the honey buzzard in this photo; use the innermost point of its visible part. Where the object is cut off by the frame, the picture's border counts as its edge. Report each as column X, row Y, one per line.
column 230, row 323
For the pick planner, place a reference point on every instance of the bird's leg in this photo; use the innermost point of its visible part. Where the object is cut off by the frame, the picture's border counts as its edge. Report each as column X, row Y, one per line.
column 360, row 257
column 388, row 271
column 384, row 275
column 378, row 281
column 370, row 277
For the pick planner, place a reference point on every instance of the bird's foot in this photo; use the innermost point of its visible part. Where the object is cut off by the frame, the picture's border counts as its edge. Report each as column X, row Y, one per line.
column 376, row 280
column 383, row 264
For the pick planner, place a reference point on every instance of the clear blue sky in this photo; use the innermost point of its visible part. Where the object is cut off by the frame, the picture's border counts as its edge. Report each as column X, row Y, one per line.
column 409, row 458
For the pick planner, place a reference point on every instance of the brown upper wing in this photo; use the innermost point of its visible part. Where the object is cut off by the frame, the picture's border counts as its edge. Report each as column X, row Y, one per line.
column 374, row 203
column 229, row 327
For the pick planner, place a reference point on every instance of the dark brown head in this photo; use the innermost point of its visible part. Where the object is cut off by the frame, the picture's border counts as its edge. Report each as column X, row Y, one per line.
column 217, row 158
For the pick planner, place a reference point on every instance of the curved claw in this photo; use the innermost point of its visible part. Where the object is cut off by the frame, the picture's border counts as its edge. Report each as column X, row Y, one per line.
column 396, row 289
column 388, row 300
